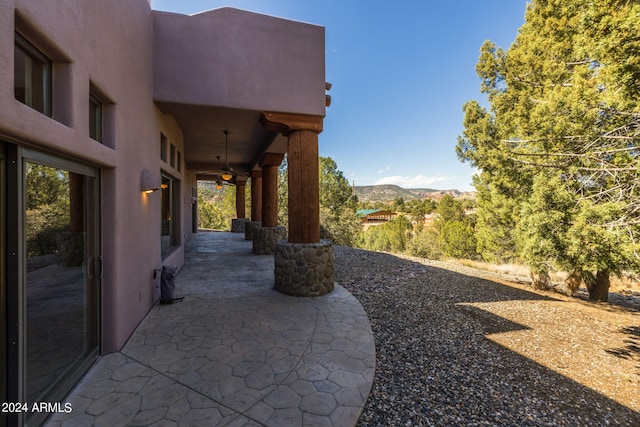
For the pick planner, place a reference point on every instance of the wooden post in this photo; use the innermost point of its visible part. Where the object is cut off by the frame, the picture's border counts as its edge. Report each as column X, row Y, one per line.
column 240, row 203
column 304, row 187
column 304, row 182
column 269, row 165
column 256, row 196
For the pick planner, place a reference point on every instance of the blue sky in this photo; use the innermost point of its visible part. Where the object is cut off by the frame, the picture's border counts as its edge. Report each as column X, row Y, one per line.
column 401, row 72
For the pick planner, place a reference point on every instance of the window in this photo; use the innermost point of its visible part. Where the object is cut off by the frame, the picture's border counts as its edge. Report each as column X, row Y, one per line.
column 163, row 148
column 172, row 156
column 179, row 165
column 95, row 118
column 32, row 76
column 169, row 188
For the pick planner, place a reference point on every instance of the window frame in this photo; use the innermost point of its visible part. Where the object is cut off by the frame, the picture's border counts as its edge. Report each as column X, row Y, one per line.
column 96, row 118
column 164, row 142
column 169, row 213
column 45, row 97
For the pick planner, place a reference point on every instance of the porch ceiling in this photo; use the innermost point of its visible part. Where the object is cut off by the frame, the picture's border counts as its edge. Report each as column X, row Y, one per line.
column 203, row 131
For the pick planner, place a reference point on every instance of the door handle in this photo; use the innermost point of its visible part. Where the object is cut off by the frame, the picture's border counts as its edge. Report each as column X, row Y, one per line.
column 99, row 267
column 95, row 269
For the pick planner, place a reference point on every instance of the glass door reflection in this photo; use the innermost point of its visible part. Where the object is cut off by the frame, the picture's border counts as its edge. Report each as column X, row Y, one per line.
column 61, row 292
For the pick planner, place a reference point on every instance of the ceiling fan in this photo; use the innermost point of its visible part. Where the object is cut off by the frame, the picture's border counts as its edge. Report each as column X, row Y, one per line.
column 221, row 180
column 227, row 172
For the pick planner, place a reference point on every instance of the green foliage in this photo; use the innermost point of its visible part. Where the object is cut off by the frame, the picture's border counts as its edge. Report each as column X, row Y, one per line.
column 496, row 219
column 335, row 191
column 558, row 147
column 216, row 207
column 338, row 204
column 457, row 239
column 389, row 237
column 594, row 243
column 455, row 229
column 425, row 243
column 449, row 209
column 419, row 208
column 210, row 216
column 398, row 204
column 546, row 217
column 342, row 228
column 47, row 208
column 338, row 221
column 283, row 193
column 45, row 185
column 43, row 224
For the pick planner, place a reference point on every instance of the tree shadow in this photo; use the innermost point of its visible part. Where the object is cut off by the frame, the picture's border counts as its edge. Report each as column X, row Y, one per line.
column 631, row 350
column 435, row 362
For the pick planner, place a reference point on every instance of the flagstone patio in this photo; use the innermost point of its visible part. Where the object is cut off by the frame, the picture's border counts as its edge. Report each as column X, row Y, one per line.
column 233, row 352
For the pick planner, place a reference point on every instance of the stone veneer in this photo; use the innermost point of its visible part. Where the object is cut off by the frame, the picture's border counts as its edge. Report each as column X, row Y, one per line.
column 238, row 225
column 249, row 228
column 265, row 238
column 304, row 269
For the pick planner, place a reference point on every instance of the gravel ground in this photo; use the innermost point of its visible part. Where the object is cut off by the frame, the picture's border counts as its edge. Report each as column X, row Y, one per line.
column 456, row 346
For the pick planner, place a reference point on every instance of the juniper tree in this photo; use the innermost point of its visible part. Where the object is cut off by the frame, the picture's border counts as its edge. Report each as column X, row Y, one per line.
column 564, row 105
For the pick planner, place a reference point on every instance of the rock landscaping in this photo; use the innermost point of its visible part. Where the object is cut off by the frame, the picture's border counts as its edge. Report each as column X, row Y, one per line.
column 457, row 348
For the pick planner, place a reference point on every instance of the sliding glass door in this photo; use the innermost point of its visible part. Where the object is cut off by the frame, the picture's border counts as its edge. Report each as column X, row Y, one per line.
column 56, row 283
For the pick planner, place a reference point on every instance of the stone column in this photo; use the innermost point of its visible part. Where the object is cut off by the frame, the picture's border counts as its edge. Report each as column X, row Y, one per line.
column 304, row 265
column 265, row 237
column 256, row 205
column 239, row 222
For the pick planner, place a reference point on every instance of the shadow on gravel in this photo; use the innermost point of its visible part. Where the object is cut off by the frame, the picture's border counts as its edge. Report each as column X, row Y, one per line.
column 435, row 365
column 632, row 349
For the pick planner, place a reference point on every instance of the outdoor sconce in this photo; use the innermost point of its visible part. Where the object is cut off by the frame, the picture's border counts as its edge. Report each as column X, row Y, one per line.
column 148, row 182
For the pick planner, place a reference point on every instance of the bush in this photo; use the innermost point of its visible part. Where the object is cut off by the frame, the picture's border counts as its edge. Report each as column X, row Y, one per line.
column 425, row 244
column 457, row 240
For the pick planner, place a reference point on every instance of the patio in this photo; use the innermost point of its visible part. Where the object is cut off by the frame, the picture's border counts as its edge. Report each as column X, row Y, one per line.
column 233, row 352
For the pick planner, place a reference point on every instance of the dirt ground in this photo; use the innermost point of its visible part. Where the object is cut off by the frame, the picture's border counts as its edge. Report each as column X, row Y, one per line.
column 624, row 291
column 593, row 343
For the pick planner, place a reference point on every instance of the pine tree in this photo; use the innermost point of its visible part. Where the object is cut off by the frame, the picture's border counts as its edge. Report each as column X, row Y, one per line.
column 564, row 106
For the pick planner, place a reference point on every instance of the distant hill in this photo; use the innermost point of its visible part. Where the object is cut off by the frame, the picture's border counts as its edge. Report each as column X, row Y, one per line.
column 388, row 193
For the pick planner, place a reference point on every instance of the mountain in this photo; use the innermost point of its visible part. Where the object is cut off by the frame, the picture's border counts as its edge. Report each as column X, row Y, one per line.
column 388, row 193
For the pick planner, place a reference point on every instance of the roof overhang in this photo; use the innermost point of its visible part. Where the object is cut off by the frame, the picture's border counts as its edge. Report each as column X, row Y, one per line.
column 220, row 70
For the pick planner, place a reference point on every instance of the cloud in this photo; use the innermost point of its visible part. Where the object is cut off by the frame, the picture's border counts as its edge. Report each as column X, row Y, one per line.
column 419, row 181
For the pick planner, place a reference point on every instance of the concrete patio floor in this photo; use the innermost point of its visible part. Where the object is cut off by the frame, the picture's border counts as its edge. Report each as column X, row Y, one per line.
column 234, row 352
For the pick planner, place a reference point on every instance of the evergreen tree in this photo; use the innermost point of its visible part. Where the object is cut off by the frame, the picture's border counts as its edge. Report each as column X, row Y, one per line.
column 564, row 104
column 338, row 221
column 391, row 236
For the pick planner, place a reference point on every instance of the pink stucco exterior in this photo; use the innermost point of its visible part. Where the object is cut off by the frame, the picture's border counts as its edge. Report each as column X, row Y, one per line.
column 150, row 65
column 232, row 58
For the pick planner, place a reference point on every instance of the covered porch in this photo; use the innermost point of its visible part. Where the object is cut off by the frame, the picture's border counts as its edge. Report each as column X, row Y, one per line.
column 245, row 89
column 233, row 352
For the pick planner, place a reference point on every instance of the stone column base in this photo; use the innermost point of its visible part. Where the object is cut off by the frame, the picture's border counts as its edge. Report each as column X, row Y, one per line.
column 238, row 225
column 249, row 228
column 265, row 238
column 304, row 269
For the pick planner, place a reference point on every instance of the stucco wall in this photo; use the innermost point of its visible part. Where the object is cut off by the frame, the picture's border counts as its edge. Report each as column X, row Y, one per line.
column 238, row 59
column 107, row 44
